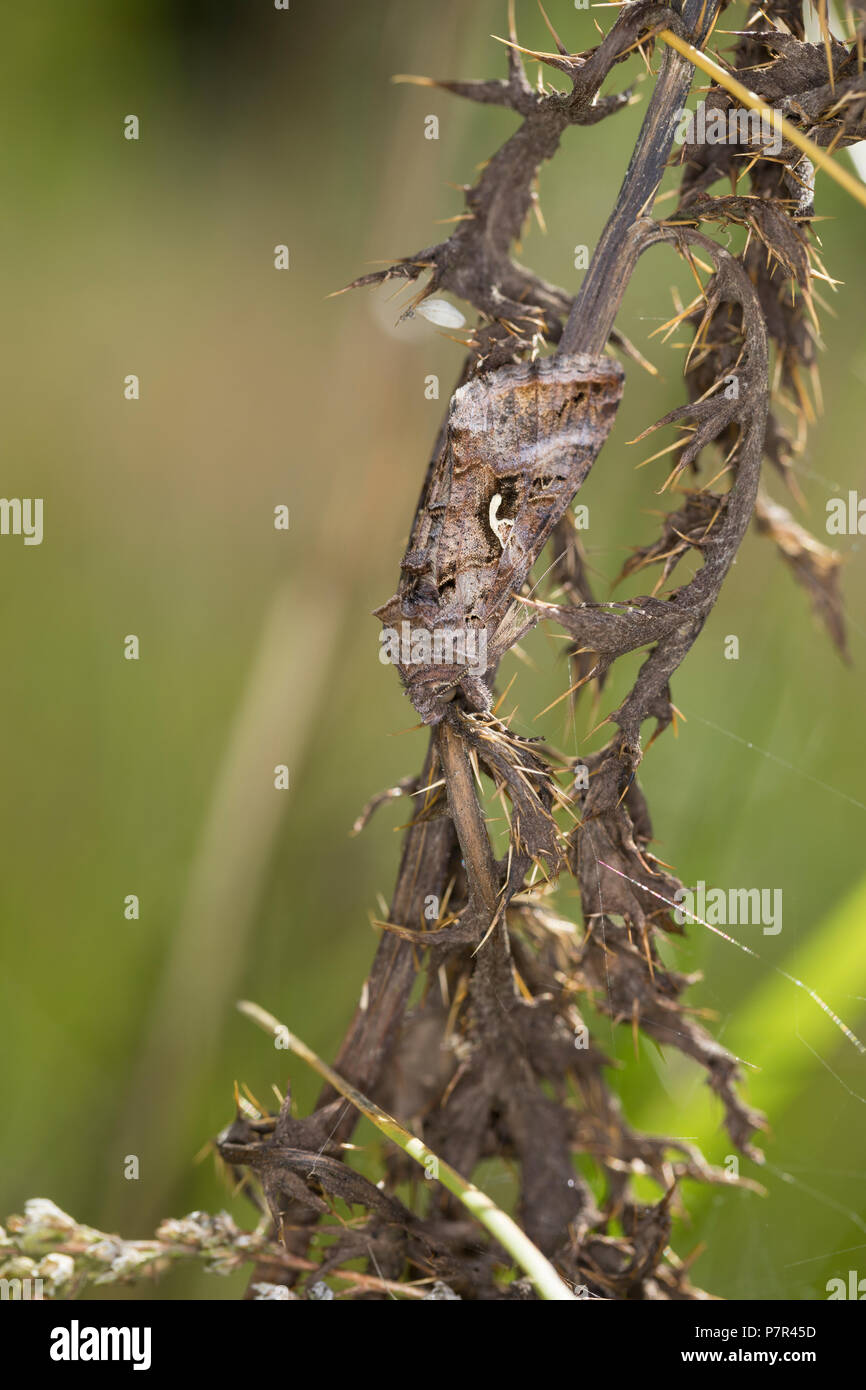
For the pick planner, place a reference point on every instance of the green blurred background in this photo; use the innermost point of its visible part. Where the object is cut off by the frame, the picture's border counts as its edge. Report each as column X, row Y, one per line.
column 155, row 777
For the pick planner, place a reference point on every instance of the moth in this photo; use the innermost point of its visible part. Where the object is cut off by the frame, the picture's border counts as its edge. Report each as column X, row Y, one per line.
column 517, row 445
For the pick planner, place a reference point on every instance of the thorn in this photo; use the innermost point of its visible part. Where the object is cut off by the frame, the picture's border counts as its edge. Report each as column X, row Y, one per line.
column 568, row 692
column 553, row 34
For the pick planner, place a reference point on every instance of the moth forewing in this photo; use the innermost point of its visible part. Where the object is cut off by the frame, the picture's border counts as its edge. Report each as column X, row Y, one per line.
column 519, row 444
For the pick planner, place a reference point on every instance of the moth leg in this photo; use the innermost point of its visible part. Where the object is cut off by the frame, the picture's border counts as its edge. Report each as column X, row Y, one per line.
column 477, row 693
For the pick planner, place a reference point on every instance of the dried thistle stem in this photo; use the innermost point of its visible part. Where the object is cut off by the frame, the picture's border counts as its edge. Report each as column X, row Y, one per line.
column 497, row 1222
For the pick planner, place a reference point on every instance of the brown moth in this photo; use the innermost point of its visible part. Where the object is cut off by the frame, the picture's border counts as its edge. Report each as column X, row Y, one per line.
column 517, row 446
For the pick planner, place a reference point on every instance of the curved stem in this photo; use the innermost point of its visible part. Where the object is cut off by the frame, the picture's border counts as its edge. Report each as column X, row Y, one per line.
column 598, row 299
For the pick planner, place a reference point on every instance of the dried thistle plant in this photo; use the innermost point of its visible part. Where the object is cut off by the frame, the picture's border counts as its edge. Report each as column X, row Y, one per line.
column 486, row 1063
column 495, row 1058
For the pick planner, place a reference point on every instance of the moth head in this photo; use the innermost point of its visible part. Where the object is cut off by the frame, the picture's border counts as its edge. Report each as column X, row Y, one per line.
column 431, row 693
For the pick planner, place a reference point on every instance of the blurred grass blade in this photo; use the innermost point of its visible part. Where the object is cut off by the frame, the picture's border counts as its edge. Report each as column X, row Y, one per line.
column 209, row 949
column 784, row 1036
